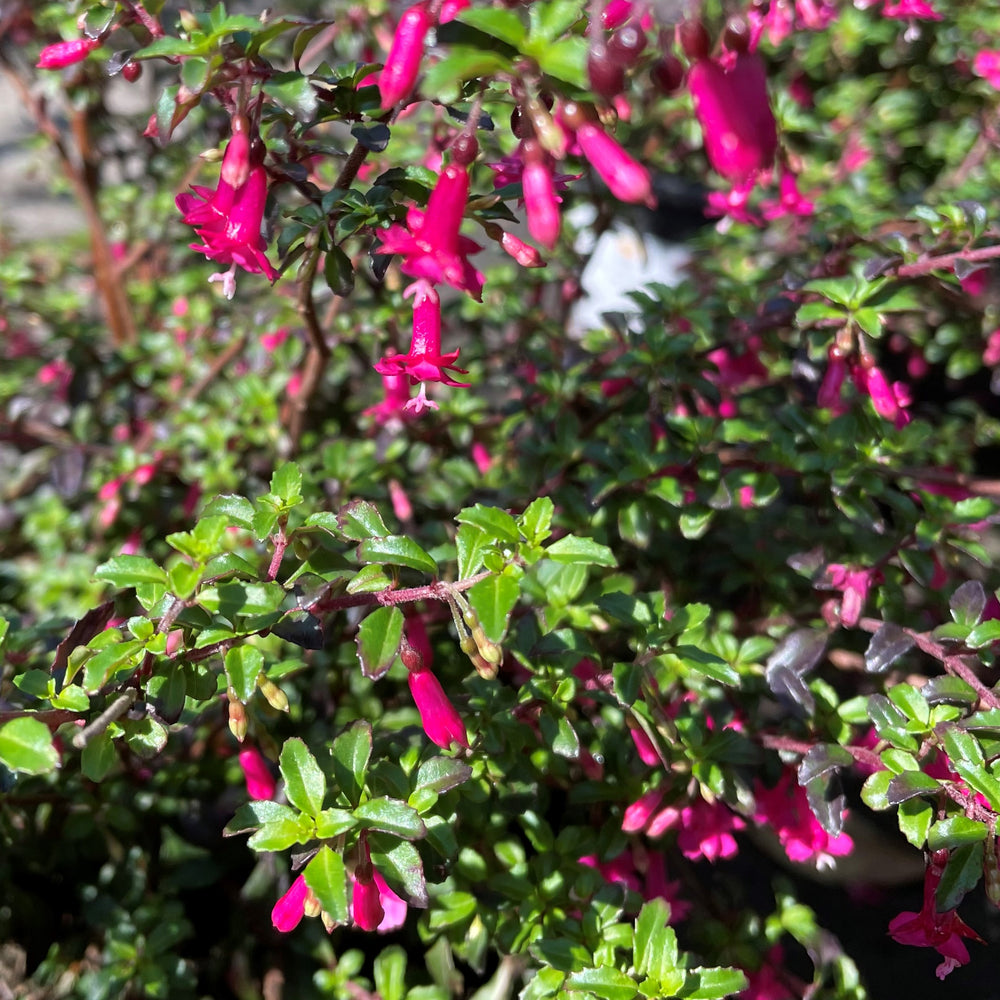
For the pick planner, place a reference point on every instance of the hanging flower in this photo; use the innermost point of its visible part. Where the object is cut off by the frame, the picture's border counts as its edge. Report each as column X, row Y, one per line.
column 63, row 54
column 430, row 243
column 402, row 64
column 907, row 9
column 424, row 362
column 260, row 781
column 366, row 906
column 289, row 910
column 441, row 721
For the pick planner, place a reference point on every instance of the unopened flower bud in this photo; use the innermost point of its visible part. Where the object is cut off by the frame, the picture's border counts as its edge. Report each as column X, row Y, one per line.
column 238, row 720
column 188, row 21
column 694, row 39
column 276, row 698
column 311, row 908
column 402, row 64
column 488, row 650
column 63, row 54
column 606, row 76
column 626, row 45
column 487, row 671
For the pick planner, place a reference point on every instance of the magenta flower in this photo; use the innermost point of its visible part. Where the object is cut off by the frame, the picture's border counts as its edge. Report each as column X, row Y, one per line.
column 905, row 9
column 524, row 253
column 210, row 209
column 790, row 201
column 424, row 362
column 260, row 781
column 890, row 401
column 930, row 929
column 987, row 64
column 63, row 54
column 705, row 829
column 366, row 906
column 393, row 407
column 735, row 115
column 626, row 179
column 402, row 64
column 644, row 746
column 291, row 908
column 786, row 809
column 639, row 813
column 829, row 395
column 541, row 204
column 440, row 720
column 854, row 584
column 392, row 905
column 430, row 243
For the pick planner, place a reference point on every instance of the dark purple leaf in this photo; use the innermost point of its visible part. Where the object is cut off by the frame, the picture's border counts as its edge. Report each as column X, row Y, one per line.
column 968, row 603
column 888, row 644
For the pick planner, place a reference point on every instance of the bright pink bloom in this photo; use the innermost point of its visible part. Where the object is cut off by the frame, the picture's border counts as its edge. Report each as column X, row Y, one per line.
column 790, row 201
column 430, row 242
column 424, row 362
column 450, row 9
column 854, row 585
column 782, row 16
column 991, row 353
column 541, row 204
column 441, row 721
column 291, row 908
column 63, row 54
column 272, row 341
column 402, row 64
column 987, row 64
column 481, row 456
column 644, row 746
column 393, row 407
column 734, row 203
column 366, row 906
column 210, row 209
column 640, row 812
column 905, row 9
column 765, row 983
column 260, row 780
column 392, row 905
column 890, row 401
column 975, row 282
column 525, row 254
column 706, row 829
column 786, row 808
column 828, row 397
column 930, row 929
column 616, row 13
column 626, row 179
column 734, row 112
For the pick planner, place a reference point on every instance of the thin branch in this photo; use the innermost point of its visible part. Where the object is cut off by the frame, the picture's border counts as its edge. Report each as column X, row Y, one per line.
column 114, row 711
column 946, row 262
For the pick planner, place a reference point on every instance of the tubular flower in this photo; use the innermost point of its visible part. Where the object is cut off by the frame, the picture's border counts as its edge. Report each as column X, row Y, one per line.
column 735, row 115
column 393, row 407
column 63, row 54
column 541, row 204
column 430, row 243
column 425, row 362
column 366, row 906
column 626, row 179
column 291, row 908
column 440, row 720
column 260, row 781
column 402, row 64
column 930, row 929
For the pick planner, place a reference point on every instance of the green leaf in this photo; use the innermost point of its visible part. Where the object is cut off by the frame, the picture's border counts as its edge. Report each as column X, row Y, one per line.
column 294, row 92
column 390, row 973
column 493, row 599
column 495, row 21
column 231, row 599
column 145, row 737
column 305, row 784
column 326, row 877
column 712, row 984
column 471, row 543
column 378, row 639
column 565, row 60
column 570, row 549
column 605, row 982
column 979, row 780
column 536, row 519
column 130, row 571
column 443, row 80
column 391, row 816
column 498, row 524
column 954, row 831
column 915, row 816
column 236, row 509
column 26, row 746
column 439, row 774
column 909, row 784
column 352, row 750
column 338, row 272
column 281, row 834
column 709, row 664
column 655, row 942
column 400, row 865
column 253, row 815
column 397, row 550
column 98, row 756
column 875, row 791
column 286, row 482
column 331, row 823
column 961, row 874
column 984, row 634
column 360, row 520
column 243, row 666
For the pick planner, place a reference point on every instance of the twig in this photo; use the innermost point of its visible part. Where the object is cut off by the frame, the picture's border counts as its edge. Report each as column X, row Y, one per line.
column 946, row 261
column 115, row 710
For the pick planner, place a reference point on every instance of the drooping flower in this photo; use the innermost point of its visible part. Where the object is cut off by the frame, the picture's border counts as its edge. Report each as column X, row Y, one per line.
column 735, row 115
column 639, row 813
column 790, row 200
column 366, row 906
column 289, row 910
column 829, row 395
column 430, row 244
column 705, row 829
column 62, row 54
column 424, row 362
column 626, row 179
column 890, row 400
column 987, row 64
column 853, row 583
column 785, row 808
column 393, row 407
column 260, row 781
column 402, row 64
column 440, row 720
column 931, row 929
column 541, row 203
column 908, row 9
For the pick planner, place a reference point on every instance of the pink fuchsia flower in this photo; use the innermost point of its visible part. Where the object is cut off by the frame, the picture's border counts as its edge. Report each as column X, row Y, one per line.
column 394, row 406
column 734, row 204
column 991, row 353
column 440, row 720
column 907, row 9
column 430, row 243
column 931, row 929
column 206, row 208
column 735, row 115
column 393, row 907
column 987, row 65
column 424, row 362
column 854, row 584
column 260, row 781
column 366, row 905
column 289, row 910
column 766, row 983
column 790, row 201
column 975, row 282
column 785, row 808
column 705, row 829
column 63, row 54
column 638, row 815
column 644, row 746
column 626, row 179
column 890, row 401
column 782, row 16
column 402, row 64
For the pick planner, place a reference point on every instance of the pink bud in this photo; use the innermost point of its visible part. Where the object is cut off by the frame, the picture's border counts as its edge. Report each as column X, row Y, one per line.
column 441, row 721
column 366, row 904
column 639, row 813
column 260, row 781
column 290, row 909
column 627, row 180
column 541, row 203
column 525, row 254
column 64, row 54
column 402, row 64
